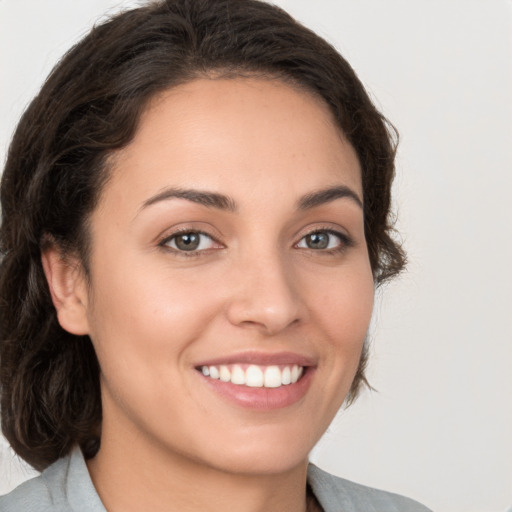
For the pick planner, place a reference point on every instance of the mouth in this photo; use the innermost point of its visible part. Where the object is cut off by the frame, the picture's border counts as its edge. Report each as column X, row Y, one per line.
column 254, row 376
column 259, row 381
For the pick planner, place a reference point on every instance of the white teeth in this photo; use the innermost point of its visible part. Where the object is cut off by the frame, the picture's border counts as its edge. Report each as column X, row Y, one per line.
column 272, row 377
column 286, row 376
column 237, row 375
column 255, row 376
column 294, row 374
column 214, row 372
column 225, row 374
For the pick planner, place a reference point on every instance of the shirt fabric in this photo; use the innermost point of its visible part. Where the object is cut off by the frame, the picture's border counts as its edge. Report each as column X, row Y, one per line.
column 66, row 486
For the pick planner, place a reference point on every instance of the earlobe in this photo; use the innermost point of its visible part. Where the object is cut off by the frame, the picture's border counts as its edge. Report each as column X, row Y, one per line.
column 68, row 290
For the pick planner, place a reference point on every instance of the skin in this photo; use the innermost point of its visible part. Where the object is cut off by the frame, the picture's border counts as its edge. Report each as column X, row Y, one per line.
column 170, row 442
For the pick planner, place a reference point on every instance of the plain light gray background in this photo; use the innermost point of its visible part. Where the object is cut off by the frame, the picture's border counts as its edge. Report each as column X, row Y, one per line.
column 439, row 428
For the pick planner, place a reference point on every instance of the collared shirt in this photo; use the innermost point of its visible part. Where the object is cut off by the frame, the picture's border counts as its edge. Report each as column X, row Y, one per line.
column 66, row 486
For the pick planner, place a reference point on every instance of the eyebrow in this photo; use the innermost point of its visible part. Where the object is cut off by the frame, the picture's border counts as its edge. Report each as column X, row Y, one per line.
column 223, row 202
column 208, row 199
column 327, row 195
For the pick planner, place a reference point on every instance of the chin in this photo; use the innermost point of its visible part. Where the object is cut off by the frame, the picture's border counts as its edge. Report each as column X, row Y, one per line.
column 254, row 465
column 264, row 454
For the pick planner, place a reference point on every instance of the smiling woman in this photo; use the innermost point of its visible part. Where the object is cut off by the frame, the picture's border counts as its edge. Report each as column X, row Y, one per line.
column 242, row 289
column 190, row 252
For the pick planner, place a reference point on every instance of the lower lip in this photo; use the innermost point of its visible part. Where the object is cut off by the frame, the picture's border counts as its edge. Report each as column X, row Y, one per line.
column 262, row 398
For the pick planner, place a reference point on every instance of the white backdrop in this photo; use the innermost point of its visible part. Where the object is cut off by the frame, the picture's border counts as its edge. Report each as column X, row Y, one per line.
column 440, row 426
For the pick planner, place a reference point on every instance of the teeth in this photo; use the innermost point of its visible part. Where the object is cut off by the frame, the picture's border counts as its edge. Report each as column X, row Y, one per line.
column 214, row 372
column 272, row 377
column 225, row 374
column 294, row 374
column 237, row 375
column 286, row 376
column 255, row 376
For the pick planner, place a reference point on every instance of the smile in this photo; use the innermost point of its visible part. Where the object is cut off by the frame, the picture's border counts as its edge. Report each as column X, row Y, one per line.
column 259, row 381
column 254, row 376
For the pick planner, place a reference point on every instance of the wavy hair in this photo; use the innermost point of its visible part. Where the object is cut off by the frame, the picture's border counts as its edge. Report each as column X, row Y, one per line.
column 57, row 164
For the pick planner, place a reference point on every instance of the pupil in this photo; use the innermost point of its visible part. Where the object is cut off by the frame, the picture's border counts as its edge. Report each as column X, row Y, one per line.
column 318, row 240
column 187, row 241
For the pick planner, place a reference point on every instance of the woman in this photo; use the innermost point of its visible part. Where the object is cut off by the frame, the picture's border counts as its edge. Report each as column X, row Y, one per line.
column 195, row 217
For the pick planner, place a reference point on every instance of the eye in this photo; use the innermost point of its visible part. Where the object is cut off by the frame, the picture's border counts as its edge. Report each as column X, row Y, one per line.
column 189, row 241
column 323, row 240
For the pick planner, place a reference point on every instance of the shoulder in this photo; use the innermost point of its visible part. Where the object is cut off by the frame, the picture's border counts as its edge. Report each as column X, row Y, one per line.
column 336, row 494
column 40, row 494
column 65, row 486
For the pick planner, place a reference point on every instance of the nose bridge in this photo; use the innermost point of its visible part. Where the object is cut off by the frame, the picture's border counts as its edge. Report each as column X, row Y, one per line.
column 265, row 295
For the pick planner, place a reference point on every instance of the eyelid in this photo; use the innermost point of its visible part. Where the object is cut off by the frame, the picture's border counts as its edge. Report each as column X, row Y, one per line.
column 346, row 241
column 315, row 227
column 164, row 240
column 192, row 226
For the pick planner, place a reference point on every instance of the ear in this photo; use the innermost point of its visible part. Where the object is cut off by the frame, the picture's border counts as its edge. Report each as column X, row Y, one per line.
column 68, row 289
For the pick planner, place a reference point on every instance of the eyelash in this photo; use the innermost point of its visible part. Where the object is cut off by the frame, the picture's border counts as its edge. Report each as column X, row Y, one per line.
column 345, row 242
column 187, row 254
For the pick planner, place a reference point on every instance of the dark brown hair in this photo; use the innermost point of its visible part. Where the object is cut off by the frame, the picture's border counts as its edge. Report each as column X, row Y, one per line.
column 57, row 164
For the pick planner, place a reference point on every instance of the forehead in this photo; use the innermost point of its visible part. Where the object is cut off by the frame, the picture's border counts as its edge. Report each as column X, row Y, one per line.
column 236, row 136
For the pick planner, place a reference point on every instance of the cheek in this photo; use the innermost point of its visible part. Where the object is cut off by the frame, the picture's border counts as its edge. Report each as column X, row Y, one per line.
column 146, row 317
column 344, row 309
column 142, row 326
column 343, row 314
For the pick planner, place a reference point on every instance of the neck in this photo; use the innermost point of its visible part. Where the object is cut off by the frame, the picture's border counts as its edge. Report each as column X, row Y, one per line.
column 133, row 475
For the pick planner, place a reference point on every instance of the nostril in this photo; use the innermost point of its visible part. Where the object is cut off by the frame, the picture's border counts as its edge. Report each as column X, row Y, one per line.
column 255, row 312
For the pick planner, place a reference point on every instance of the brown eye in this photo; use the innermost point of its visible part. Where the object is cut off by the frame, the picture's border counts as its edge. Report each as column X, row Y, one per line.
column 190, row 241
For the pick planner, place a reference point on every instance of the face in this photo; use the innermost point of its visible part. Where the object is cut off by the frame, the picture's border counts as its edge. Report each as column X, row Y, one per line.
column 230, row 289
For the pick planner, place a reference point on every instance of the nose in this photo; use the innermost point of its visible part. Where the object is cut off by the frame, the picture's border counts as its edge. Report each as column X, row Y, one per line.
column 266, row 296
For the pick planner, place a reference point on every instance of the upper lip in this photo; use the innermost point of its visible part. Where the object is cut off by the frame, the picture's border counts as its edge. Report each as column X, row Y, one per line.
column 261, row 359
